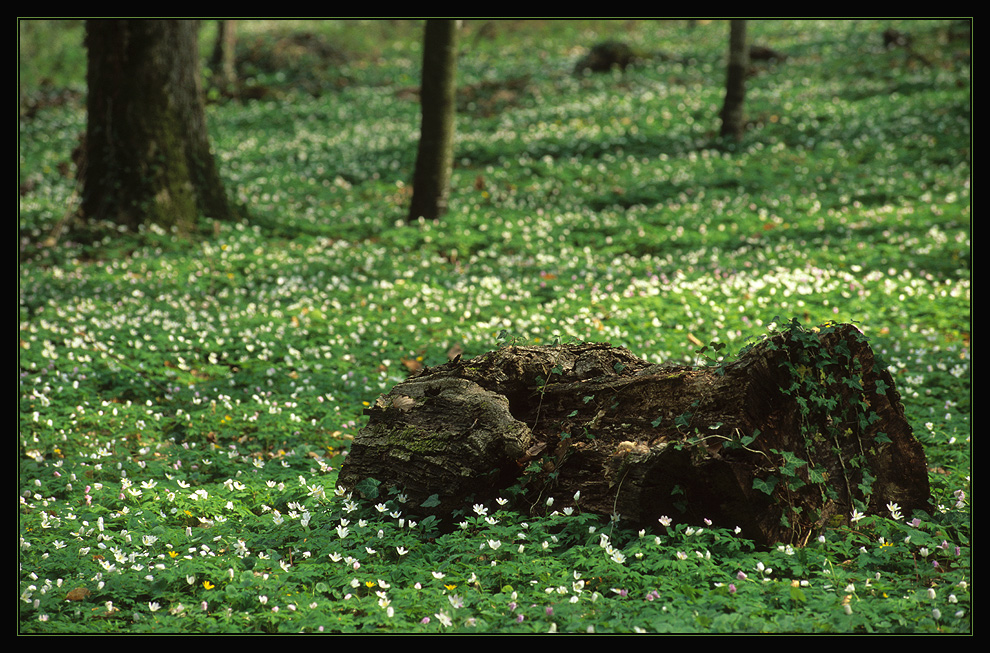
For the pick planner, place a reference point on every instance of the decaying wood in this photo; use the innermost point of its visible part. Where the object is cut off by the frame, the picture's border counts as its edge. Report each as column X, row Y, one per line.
column 799, row 429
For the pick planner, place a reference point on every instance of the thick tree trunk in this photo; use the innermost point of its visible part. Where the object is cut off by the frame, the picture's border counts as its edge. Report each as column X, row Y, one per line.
column 803, row 427
column 434, row 157
column 735, row 85
column 147, row 153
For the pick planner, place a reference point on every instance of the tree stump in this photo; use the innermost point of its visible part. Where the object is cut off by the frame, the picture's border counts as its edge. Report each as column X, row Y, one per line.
column 797, row 431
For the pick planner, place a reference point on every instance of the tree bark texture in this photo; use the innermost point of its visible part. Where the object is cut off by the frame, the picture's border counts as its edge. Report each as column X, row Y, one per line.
column 435, row 154
column 801, row 428
column 735, row 86
column 147, row 152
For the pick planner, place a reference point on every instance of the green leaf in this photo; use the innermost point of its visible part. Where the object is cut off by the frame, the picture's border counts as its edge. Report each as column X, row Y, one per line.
column 765, row 485
column 368, row 488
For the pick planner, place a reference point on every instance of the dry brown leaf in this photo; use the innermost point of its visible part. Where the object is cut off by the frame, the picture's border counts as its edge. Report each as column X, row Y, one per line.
column 78, row 594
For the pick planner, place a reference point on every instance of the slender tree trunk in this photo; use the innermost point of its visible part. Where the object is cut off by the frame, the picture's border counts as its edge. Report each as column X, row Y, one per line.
column 434, row 158
column 735, row 86
column 147, row 153
column 222, row 60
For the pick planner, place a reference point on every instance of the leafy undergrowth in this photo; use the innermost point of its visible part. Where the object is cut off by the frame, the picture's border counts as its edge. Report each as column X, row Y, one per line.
column 184, row 405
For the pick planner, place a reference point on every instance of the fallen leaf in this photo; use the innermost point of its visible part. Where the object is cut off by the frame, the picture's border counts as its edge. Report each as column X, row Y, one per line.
column 78, row 594
column 412, row 364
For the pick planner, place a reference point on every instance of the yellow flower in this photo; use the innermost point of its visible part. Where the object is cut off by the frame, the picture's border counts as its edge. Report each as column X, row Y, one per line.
column 451, row 587
column 208, row 585
column 173, row 554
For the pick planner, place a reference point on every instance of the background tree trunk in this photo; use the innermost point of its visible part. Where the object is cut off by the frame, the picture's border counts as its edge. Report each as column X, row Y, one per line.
column 434, row 157
column 147, row 153
column 733, row 123
column 799, row 430
column 222, row 61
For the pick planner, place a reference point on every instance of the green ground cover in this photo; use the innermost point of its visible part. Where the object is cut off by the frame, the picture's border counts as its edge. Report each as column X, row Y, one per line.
column 185, row 404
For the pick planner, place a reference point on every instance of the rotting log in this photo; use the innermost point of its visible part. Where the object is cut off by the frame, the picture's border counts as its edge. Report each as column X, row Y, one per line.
column 801, row 428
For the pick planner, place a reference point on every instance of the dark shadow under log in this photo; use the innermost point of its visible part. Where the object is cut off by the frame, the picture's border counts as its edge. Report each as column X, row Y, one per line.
column 800, row 429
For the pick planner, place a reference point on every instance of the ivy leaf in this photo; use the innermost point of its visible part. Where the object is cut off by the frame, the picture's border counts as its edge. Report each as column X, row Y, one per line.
column 368, row 488
column 765, row 485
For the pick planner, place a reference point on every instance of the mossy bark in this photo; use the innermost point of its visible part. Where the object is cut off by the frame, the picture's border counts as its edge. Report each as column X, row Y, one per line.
column 147, row 154
column 791, row 436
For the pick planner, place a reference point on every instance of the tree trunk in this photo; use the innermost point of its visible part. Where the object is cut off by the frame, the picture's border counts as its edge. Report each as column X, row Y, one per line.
column 434, row 158
column 735, row 86
column 147, row 153
column 803, row 427
column 222, row 61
